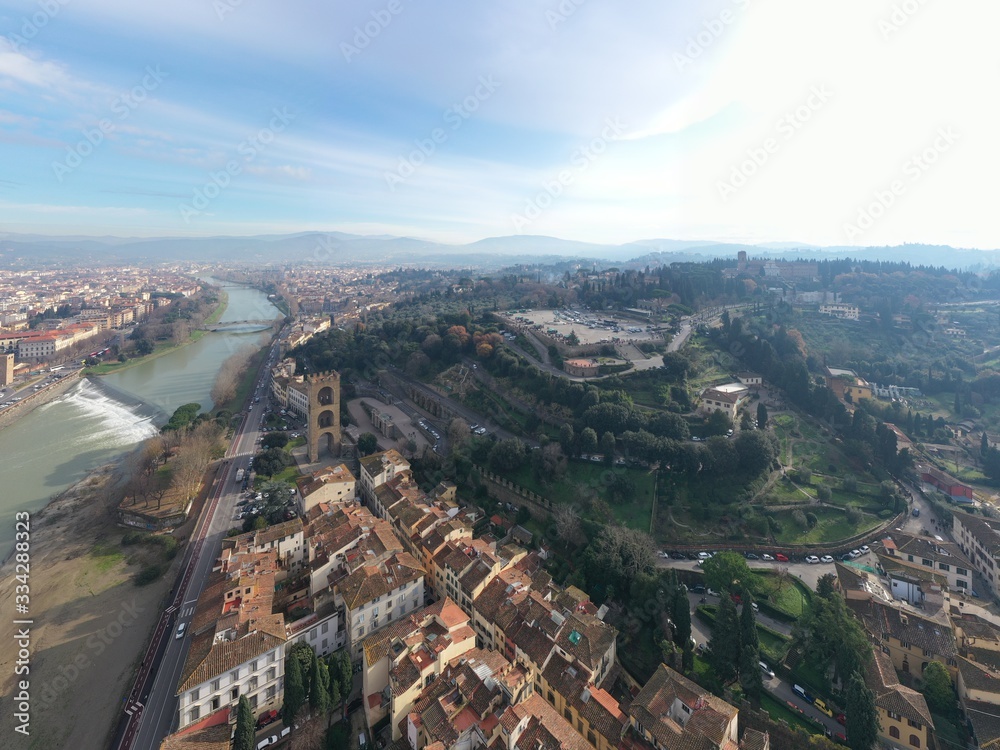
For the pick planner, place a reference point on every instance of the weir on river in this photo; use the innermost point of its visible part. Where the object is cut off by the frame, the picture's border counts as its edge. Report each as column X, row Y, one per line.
column 60, row 442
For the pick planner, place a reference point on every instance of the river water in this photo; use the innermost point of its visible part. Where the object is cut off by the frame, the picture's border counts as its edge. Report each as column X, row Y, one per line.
column 60, row 442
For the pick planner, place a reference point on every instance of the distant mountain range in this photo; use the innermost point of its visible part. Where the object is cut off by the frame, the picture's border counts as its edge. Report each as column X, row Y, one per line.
column 337, row 248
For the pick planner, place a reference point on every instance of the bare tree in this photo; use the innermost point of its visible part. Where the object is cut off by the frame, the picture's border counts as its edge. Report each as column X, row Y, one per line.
column 230, row 373
column 567, row 519
column 458, row 431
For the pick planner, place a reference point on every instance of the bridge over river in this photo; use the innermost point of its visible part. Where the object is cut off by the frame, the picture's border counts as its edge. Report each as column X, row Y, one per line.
column 230, row 324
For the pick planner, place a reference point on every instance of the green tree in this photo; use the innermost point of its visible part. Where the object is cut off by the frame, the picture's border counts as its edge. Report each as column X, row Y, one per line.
column 367, row 443
column 750, row 676
column 862, row 718
column 295, row 692
column 681, row 615
column 725, row 642
column 718, row 423
column 984, row 444
column 344, row 675
column 275, row 440
column 319, row 696
column 746, row 421
column 728, row 571
column 245, row 736
column 588, row 440
column 823, row 493
column 566, row 437
column 761, row 415
column 507, row 455
column 937, row 689
column 608, row 447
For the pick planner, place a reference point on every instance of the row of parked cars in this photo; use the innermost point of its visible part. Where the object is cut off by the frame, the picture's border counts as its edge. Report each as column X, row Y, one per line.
column 776, row 557
column 818, row 703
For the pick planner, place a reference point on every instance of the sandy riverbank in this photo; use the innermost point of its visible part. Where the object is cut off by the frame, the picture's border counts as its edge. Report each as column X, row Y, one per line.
column 90, row 622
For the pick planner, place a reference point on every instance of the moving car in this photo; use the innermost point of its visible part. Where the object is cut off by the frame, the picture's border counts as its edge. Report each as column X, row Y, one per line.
column 180, row 631
column 767, row 671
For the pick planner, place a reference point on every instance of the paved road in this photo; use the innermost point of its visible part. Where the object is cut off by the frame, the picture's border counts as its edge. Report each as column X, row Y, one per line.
column 153, row 701
column 808, row 574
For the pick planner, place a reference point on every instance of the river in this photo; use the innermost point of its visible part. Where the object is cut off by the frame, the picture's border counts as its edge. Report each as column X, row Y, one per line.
column 60, row 442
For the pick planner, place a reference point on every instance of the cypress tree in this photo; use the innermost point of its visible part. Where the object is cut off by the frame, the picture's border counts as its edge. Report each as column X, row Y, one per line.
column 319, row 697
column 862, row 717
column 725, row 643
column 295, row 692
column 245, row 727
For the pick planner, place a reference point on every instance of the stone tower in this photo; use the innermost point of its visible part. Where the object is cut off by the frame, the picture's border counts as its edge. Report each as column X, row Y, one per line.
column 323, row 390
column 6, row 369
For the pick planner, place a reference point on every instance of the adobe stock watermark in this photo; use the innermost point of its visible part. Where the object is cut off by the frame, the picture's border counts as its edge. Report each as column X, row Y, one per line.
column 454, row 117
column 711, row 30
column 901, row 14
column 32, row 25
column 122, row 106
column 248, row 149
column 786, row 126
column 364, row 34
column 95, row 645
column 913, row 170
column 562, row 12
column 223, row 8
column 580, row 160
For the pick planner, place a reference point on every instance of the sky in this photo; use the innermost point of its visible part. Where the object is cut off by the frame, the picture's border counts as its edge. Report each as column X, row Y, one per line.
column 862, row 122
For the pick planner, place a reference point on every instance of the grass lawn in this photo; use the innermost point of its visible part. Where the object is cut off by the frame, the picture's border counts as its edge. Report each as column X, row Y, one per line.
column 832, row 526
column 780, row 712
column 788, row 595
column 583, row 479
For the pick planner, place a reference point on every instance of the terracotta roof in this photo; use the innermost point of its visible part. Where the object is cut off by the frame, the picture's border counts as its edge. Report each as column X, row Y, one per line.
column 211, row 738
column 881, row 619
column 985, row 720
column 754, row 740
column 207, row 660
column 707, row 723
column 546, row 729
column 979, row 676
column 985, row 530
column 370, row 581
column 890, row 695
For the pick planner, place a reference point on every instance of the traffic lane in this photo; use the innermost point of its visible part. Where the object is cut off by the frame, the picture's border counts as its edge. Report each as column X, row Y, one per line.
column 782, row 690
column 809, row 574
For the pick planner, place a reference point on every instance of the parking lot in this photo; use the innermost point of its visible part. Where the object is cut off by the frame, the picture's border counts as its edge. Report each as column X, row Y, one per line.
column 589, row 327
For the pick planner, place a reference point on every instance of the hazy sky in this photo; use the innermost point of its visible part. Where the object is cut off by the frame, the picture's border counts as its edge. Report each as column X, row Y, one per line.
column 856, row 122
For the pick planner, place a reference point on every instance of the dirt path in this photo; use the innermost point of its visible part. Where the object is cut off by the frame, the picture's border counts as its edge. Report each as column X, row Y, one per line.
column 90, row 623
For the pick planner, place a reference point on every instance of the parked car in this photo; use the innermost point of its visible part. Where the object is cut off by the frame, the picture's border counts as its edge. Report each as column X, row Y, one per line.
column 826, row 559
column 854, row 553
column 823, row 708
column 767, row 557
column 752, row 556
column 812, row 559
column 698, row 588
column 710, row 592
column 755, row 606
column 865, row 549
column 781, row 558
column 768, row 672
column 841, row 718
column 704, row 555
column 677, row 556
column 272, row 740
column 801, row 692
column 268, row 717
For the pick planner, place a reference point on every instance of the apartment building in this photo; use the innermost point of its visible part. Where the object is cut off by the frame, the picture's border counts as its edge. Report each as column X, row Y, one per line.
column 284, row 541
column 673, row 713
column 237, row 644
column 911, row 641
column 979, row 539
column 847, row 385
column 904, row 719
column 725, row 398
column 333, row 485
column 375, row 595
column 841, row 310
column 926, row 558
column 979, row 692
column 399, row 660
column 376, row 470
